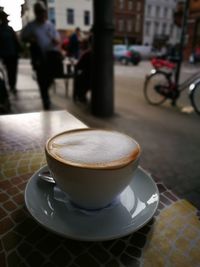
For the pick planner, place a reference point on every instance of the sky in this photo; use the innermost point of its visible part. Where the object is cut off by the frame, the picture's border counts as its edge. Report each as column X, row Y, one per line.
column 13, row 9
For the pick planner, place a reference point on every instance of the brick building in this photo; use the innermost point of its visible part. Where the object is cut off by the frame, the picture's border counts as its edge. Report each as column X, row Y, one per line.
column 128, row 21
column 193, row 33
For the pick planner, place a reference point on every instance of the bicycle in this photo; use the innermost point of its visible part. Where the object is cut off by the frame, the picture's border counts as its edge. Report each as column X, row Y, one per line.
column 160, row 85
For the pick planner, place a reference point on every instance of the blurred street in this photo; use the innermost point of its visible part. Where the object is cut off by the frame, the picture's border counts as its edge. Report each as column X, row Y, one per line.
column 169, row 136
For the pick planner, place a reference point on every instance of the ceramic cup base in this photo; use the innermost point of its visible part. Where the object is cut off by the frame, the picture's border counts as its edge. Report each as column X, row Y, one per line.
column 138, row 203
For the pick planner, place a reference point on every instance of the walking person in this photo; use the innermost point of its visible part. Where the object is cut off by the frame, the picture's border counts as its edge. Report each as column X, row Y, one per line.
column 9, row 51
column 83, row 70
column 45, row 50
column 74, row 44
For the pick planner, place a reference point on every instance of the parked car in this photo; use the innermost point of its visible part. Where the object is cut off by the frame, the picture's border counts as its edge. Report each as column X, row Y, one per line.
column 145, row 51
column 125, row 55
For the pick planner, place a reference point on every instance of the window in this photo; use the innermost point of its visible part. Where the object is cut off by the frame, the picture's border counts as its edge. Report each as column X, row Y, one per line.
column 165, row 12
column 138, row 6
column 129, row 25
column 137, row 23
column 198, row 29
column 121, row 25
column 121, row 4
column 164, row 27
column 172, row 14
column 157, row 11
column 149, row 7
column 156, row 28
column 171, row 29
column 86, row 17
column 70, row 16
column 114, row 22
column 147, row 28
column 51, row 14
column 130, row 5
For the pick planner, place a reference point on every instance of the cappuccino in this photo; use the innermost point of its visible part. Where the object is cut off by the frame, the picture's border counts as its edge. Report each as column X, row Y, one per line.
column 93, row 148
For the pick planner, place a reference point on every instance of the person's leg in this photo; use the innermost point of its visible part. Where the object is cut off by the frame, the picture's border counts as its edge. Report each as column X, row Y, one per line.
column 75, row 87
column 11, row 70
column 13, row 78
column 84, row 88
column 44, row 84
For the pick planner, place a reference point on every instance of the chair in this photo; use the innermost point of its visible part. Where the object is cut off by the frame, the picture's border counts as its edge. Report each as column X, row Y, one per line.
column 69, row 73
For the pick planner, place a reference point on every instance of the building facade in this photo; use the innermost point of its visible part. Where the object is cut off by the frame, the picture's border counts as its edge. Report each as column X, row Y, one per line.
column 128, row 21
column 69, row 14
column 159, row 22
column 66, row 15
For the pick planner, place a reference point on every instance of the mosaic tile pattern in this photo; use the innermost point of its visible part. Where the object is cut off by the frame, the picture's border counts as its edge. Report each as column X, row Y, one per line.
column 23, row 138
column 171, row 238
column 176, row 238
column 25, row 243
column 19, row 163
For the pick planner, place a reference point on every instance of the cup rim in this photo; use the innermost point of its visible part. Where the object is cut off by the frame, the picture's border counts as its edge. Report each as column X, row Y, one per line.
column 95, row 166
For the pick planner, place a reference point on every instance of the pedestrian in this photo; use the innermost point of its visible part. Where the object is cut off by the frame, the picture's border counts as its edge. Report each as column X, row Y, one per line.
column 9, row 51
column 64, row 45
column 83, row 73
column 74, row 44
column 45, row 50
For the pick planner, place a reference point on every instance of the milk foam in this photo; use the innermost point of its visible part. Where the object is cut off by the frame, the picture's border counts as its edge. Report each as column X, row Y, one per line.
column 92, row 147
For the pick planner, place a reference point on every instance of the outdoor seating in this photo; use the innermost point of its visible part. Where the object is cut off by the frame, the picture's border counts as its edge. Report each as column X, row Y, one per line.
column 67, row 77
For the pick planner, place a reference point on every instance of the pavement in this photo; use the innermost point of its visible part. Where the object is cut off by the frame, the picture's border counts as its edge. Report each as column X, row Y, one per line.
column 169, row 136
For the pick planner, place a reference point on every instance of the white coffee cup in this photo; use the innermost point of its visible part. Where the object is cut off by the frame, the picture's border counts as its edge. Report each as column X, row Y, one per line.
column 93, row 166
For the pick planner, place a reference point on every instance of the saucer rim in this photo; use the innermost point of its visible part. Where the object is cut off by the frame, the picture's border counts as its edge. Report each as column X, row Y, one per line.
column 84, row 238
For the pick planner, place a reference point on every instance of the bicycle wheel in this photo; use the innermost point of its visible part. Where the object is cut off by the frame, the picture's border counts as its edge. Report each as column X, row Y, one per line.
column 152, row 82
column 195, row 98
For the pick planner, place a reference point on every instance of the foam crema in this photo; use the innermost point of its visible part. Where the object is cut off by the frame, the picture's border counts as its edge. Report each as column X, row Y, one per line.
column 93, row 148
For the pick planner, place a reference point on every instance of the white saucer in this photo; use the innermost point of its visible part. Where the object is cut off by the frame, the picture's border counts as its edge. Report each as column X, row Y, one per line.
column 136, row 206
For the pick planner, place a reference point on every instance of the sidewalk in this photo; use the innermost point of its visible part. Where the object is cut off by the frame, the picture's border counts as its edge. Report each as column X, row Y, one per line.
column 169, row 138
column 28, row 99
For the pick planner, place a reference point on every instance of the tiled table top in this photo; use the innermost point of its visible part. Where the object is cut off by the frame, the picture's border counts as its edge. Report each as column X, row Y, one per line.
column 171, row 238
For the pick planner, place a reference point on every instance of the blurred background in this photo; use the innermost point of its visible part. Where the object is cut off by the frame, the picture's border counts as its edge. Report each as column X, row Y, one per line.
column 146, row 26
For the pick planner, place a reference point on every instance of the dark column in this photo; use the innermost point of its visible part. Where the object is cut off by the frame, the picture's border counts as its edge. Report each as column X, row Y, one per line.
column 102, row 84
column 182, row 40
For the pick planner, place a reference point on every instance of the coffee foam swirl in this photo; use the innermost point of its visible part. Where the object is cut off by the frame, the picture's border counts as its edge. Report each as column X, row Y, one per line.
column 93, row 148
